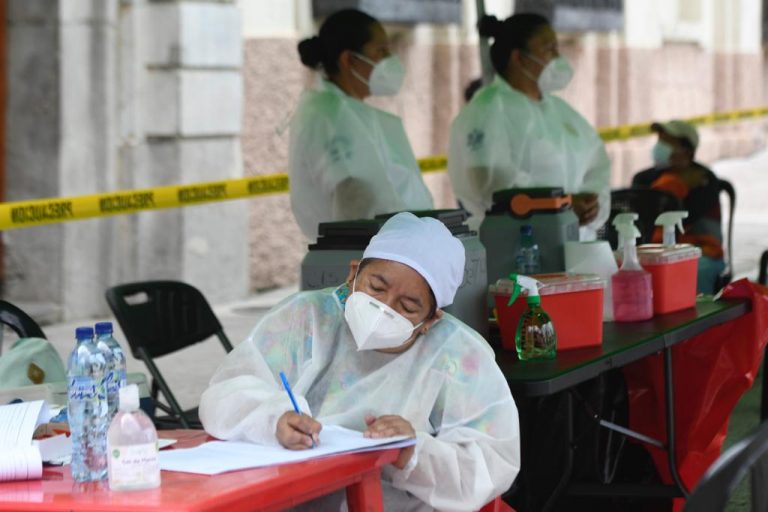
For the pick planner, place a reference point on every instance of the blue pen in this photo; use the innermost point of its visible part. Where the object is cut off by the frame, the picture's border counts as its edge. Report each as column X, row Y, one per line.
column 293, row 400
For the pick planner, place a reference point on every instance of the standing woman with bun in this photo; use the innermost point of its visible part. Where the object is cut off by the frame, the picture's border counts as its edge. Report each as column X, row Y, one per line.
column 515, row 133
column 349, row 160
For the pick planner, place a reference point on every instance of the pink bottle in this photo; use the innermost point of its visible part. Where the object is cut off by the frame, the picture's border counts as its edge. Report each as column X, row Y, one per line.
column 632, row 288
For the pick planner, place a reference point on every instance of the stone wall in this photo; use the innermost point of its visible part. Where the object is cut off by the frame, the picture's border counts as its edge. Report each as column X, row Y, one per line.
column 613, row 85
column 108, row 95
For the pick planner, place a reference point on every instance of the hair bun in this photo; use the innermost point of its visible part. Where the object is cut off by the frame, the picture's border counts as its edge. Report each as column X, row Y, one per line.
column 489, row 26
column 311, row 52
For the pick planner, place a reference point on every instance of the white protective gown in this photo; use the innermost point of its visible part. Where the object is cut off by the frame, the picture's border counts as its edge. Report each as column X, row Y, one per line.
column 447, row 385
column 334, row 138
column 503, row 139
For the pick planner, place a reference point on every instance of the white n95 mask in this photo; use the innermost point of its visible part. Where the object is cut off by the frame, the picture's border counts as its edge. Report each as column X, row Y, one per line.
column 387, row 75
column 555, row 76
column 375, row 325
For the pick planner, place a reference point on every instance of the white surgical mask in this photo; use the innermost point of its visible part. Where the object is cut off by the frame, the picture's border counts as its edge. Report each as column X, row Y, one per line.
column 387, row 75
column 375, row 325
column 661, row 153
column 555, row 76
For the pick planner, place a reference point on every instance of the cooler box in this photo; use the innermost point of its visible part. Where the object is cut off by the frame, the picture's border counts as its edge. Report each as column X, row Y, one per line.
column 549, row 213
column 574, row 302
column 673, row 272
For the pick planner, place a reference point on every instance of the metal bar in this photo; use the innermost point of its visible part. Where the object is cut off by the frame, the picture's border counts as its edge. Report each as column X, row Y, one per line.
column 669, row 392
column 564, row 482
column 631, row 433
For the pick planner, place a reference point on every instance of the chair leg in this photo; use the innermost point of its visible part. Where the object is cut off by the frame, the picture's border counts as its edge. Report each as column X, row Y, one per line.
column 163, row 386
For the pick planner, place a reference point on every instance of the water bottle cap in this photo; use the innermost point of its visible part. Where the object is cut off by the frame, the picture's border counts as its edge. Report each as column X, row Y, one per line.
column 84, row 333
column 103, row 328
column 129, row 398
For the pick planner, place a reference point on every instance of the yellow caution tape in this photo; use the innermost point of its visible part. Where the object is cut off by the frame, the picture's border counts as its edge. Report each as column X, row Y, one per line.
column 48, row 211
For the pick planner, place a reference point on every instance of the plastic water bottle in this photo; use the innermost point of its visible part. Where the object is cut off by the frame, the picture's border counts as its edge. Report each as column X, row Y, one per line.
column 132, row 446
column 527, row 259
column 115, row 374
column 87, row 408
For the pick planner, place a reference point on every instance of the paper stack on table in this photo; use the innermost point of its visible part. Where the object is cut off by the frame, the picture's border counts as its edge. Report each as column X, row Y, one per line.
column 21, row 458
column 221, row 456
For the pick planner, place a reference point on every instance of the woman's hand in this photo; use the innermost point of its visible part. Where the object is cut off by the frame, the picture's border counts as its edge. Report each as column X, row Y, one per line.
column 388, row 426
column 297, row 431
column 585, row 206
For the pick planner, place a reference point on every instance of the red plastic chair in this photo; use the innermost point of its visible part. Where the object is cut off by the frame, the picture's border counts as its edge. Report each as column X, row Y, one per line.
column 497, row 505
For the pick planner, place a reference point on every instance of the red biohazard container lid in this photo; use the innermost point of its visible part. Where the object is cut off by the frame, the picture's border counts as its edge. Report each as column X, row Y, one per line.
column 553, row 284
column 657, row 254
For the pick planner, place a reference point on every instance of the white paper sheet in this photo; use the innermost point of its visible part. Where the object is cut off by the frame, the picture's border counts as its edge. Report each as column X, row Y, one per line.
column 221, row 456
column 19, row 459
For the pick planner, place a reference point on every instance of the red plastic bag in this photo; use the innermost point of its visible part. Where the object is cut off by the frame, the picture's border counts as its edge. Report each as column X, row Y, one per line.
column 711, row 373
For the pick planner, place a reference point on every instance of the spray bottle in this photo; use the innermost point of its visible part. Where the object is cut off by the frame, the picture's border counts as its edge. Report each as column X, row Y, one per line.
column 619, row 220
column 670, row 220
column 535, row 337
column 631, row 285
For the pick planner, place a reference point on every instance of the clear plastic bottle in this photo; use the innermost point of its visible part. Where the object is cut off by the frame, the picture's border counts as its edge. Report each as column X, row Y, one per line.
column 132, row 445
column 87, row 408
column 631, row 286
column 115, row 375
column 535, row 337
column 527, row 259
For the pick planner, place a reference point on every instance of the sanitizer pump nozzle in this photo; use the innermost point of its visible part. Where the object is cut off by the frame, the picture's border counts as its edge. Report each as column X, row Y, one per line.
column 535, row 337
column 623, row 219
column 670, row 220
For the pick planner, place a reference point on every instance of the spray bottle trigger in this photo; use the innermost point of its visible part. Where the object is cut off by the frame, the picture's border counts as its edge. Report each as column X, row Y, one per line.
column 515, row 290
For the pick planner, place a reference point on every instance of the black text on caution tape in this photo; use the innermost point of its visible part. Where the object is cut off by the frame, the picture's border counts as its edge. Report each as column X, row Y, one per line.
column 33, row 214
column 202, row 193
column 127, row 202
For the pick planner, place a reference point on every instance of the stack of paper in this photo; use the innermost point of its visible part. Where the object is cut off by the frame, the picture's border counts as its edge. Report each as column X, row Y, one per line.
column 21, row 458
column 221, row 456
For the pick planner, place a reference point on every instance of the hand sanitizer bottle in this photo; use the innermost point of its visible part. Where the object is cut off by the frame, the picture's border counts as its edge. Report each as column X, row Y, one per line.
column 631, row 286
column 535, row 337
column 132, row 446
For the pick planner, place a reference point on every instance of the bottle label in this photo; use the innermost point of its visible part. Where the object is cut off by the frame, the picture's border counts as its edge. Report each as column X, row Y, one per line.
column 134, row 466
column 112, row 382
column 82, row 388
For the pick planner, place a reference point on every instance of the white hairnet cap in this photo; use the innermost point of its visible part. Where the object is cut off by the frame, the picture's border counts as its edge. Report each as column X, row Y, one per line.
column 425, row 245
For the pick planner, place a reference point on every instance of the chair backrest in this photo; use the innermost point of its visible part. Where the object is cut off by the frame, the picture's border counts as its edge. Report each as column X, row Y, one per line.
column 19, row 321
column 161, row 317
column 647, row 203
column 762, row 277
column 721, row 479
column 727, row 273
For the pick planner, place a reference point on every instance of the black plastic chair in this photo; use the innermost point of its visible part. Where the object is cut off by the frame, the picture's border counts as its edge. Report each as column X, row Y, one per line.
column 21, row 323
column 647, row 203
column 721, row 479
column 158, row 318
column 727, row 274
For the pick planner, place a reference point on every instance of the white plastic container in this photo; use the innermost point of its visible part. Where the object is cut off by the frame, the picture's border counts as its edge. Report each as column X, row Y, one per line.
column 132, row 446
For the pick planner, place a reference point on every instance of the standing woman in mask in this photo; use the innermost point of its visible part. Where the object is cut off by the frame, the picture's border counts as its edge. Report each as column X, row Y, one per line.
column 349, row 160
column 515, row 133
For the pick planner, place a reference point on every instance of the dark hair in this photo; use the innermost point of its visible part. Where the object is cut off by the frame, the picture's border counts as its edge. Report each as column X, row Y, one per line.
column 472, row 88
column 513, row 33
column 432, row 300
column 348, row 29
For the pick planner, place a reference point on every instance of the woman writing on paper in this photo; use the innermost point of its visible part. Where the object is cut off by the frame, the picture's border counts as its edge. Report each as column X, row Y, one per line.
column 378, row 355
column 516, row 133
column 349, row 160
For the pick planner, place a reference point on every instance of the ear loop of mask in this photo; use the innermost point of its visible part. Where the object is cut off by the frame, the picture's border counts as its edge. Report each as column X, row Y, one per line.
column 367, row 61
column 537, row 61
